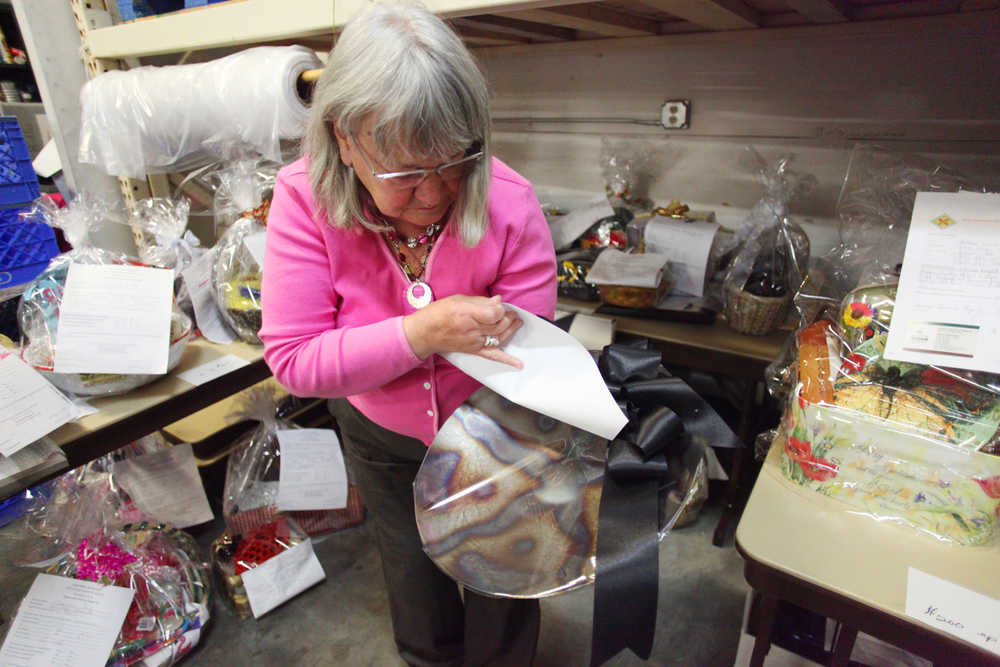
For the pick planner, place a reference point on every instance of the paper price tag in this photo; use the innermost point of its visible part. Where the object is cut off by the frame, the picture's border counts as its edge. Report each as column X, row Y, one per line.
column 282, row 577
column 953, row 609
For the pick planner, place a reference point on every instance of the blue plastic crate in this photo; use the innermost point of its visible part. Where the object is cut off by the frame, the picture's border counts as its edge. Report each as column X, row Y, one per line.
column 25, row 247
column 129, row 10
column 200, row 3
column 18, row 183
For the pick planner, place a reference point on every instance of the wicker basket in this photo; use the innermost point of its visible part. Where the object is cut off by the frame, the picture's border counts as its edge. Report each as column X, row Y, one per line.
column 755, row 315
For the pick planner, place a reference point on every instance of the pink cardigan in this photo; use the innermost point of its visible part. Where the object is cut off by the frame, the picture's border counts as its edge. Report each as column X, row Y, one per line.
column 333, row 300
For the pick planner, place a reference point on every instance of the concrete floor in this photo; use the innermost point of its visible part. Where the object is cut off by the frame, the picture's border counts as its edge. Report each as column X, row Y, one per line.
column 344, row 620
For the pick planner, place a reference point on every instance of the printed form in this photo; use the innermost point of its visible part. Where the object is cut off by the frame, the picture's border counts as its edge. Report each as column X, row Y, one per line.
column 946, row 310
column 312, row 475
column 114, row 319
column 30, row 407
column 65, row 622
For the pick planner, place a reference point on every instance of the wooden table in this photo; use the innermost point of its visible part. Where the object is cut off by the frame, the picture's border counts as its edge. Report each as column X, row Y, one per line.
column 126, row 417
column 810, row 552
column 713, row 348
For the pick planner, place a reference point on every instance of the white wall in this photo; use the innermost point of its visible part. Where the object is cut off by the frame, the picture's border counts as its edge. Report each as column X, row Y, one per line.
column 928, row 85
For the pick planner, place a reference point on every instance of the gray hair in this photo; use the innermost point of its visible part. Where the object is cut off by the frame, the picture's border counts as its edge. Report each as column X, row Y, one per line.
column 407, row 69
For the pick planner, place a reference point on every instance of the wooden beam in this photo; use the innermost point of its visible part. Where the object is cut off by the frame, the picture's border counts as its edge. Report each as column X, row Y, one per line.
column 821, row 11
column 480, row 37
column 590, row 18
column 505, row 25
column 711, row 14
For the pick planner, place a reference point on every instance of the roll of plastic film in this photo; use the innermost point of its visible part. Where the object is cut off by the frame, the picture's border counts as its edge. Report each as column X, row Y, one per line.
column 161, row 119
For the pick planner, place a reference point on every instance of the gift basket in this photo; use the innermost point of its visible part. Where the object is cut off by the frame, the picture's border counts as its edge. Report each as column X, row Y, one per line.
column 906, row 443
column 162, row 238
column 236, row 274
column 630, row 280
column 38, row 312
column 83, row 525
column 773, row 256
column 250, row 495
column 234, row 554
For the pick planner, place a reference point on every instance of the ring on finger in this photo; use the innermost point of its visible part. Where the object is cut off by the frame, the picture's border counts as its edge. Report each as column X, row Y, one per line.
column 491, row 341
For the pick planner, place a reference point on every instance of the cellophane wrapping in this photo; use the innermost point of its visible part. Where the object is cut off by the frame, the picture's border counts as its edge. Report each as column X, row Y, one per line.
column 38, row 312
column 162, row 236
column 235, row 553
column 507, row 499
column 242, row 205
column 250, row 493
column 85, row 526
column 241, row 185
column 773, row 256
column 904, row 443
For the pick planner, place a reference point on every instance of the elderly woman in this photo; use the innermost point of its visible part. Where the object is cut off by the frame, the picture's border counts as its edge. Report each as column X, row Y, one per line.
column 398, row 237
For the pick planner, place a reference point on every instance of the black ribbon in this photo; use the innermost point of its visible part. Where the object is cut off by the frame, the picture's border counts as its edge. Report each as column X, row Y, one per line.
column 666, row 418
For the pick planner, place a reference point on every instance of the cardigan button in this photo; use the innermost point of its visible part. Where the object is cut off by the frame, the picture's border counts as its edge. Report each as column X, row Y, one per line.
column 427, row 385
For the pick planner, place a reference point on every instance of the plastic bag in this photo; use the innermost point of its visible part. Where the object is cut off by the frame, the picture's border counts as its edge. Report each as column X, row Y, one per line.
column 167, row 119
column 905, row 443
column 162, row 236
column 38, row 311
column 250, row 494
column 773, row 258
column 242, row 185
column 234, row 554
column 626, row 169
column 236, row 273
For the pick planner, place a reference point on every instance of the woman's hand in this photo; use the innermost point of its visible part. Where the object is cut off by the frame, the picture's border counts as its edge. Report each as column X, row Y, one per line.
column 461, row 324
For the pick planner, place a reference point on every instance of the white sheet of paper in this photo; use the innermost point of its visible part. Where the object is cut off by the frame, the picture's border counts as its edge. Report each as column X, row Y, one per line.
column 559, row 378
column 567, row 228
column 65, row 622
column 165, row 485
column 953, row 609
column 256, row 244
column 29, row 457
column 30, row 406
column 114, row 319
column 312, row 474
column 198, row 278
column 592, row 332
column 946, row 305
column 210, row 370
column 282, row 577
column 687, row 244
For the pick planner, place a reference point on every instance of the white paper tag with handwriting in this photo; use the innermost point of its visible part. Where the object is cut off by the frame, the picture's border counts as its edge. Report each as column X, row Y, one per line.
column 282, row 577
column 950, row 608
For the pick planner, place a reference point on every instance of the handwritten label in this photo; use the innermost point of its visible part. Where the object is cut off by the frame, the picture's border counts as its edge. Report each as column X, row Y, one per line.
column 212, row 369
column 953, row 609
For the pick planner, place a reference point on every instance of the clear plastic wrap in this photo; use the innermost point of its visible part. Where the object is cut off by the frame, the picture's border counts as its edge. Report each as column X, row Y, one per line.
column 83, row 525
column 163, row 239
column 773, row 256
column 626, row 168
column 234, row 554
column 904, row 443
column 165, row 119
column 250, row 494
column 507, row 499
column 236, row 273
column 38, row 311
column 241, row 186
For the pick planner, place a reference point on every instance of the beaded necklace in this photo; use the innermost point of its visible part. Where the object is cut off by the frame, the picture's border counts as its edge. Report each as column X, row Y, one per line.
column 418, row 293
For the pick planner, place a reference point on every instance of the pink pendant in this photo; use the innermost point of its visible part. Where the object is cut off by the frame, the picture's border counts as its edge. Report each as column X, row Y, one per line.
column 418, row 294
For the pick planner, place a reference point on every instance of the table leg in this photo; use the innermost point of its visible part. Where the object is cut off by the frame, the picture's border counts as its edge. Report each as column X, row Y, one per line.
column 767, row 608
column 843, row 644
column 745, row 433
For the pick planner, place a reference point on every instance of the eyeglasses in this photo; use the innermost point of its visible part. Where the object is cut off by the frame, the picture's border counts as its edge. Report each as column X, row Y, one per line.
column 403, row 180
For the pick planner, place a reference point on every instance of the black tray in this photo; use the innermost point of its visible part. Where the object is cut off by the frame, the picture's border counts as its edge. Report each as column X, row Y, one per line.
column 691, row 315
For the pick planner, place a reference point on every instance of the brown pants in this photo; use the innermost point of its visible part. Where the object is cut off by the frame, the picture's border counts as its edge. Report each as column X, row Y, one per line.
column 430, row 623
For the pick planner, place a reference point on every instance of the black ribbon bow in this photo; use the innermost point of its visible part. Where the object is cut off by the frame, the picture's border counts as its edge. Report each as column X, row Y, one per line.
column 667, row 420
